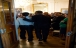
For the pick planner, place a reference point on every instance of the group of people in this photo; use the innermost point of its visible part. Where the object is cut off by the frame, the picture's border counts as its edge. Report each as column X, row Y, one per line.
column 59, row 22
column 39, row 22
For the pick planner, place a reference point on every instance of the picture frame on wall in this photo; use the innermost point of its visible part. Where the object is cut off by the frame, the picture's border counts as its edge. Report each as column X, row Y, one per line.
column 40, row 6
column 64, row 10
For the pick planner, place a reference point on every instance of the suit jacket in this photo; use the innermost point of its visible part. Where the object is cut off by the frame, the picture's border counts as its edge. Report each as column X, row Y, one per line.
column 40, row 21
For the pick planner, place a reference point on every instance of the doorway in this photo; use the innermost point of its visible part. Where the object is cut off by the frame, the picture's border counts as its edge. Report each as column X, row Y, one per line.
column 40, row 6
column 68, row 27
column 49, row 44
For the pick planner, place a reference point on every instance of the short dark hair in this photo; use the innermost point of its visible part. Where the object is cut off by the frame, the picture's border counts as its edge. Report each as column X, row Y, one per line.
column 39, row 12
column 25, row 13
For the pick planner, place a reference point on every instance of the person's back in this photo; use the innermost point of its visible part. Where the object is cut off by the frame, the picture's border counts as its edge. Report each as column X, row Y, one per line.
column 38, row 20
column 63, row 27
column 25, row 26
column 21, row 24
column 41, row 23
column 47, row 19
column 20, row 20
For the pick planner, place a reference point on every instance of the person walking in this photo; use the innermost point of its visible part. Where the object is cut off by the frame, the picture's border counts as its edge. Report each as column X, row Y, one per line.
column 26, row 26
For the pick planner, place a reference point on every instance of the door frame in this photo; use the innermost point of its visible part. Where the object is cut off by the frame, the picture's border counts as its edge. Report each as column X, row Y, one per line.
column 70, row 22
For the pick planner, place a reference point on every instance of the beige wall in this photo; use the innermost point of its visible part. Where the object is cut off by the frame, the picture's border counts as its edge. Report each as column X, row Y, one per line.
column 59, row 5
column 28, row 8
column 53, row 5
column 56, row 5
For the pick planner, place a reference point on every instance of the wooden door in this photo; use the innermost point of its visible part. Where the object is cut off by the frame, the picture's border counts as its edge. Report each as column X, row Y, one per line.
column 71, row 25
column 7, row 26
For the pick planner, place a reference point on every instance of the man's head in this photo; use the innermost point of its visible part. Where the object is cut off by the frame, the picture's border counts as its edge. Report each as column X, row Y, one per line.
column 25, row 13
column 46, row 13
column 38, row 12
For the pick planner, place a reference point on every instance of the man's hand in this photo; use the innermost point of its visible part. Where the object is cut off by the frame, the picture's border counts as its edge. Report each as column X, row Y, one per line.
column 62, row 21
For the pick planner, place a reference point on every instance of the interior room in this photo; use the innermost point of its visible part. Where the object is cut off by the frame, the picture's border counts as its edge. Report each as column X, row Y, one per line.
column 57, row 23
column 49, row 6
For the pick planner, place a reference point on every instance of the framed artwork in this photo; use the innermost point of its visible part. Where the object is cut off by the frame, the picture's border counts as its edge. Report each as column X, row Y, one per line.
column 64, row 10
column 18, row 10
column 40, row 6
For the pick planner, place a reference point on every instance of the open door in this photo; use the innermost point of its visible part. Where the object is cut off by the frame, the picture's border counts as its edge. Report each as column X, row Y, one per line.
column 7, row 26
column 71, row 26
column 73, row 35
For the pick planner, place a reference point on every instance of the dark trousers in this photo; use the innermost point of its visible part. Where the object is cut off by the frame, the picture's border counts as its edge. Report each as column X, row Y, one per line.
column 63, row 31
column 42, row 32
column 22, row 32
column 45, row 32
column 29, row 29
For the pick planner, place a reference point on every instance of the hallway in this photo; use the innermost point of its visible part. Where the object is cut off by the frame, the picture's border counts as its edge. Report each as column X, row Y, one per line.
column 52, row 42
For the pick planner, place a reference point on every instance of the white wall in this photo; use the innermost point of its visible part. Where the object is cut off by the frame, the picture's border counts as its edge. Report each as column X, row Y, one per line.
column 28, row 8
column 53, row 5
column 50, row 7
column 56, row 5
column 60, row 5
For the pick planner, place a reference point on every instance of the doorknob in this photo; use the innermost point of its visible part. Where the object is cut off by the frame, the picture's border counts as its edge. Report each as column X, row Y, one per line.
column 4, row 30
column 1, row 31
